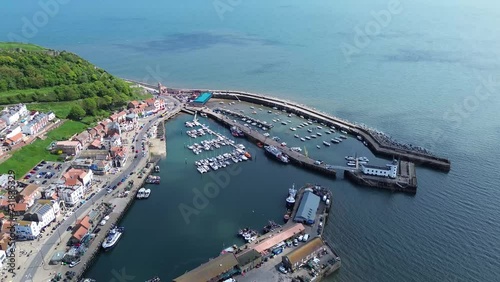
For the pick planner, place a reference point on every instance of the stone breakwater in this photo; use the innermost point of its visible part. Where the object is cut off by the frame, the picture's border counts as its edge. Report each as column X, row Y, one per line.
column 380, row 143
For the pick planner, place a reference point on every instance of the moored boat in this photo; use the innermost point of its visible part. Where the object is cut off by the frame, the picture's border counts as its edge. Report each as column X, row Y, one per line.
column 276, row 153
column 112, row 238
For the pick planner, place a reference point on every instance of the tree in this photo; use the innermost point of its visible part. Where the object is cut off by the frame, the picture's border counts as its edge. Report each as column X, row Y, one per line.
column 76, row 113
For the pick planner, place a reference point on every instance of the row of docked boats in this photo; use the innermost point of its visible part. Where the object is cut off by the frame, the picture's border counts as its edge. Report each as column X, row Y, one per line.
column 210, row 145
column 351, row 161
column 248, row 234
column 221, row 161
column 195, row 133
column 153, row 179
column 143, row 193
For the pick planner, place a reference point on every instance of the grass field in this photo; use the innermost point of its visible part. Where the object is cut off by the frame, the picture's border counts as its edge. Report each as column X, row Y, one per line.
column 60, row 109
column 30, row 155
column 14, row 45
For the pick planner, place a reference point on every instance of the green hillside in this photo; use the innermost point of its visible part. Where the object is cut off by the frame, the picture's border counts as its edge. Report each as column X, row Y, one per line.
column 33, row 74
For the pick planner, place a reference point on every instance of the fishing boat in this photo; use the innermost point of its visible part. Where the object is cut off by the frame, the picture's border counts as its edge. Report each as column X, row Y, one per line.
column 276, row 153
column 290, row 200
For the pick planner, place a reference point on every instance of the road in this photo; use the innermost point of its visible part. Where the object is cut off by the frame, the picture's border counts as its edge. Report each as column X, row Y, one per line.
column 52, row 240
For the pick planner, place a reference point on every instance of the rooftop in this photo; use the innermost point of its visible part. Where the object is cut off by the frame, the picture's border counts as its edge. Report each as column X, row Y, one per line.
column 209, row 270
column 303, row 251
column 279, row 237
column 308, row 207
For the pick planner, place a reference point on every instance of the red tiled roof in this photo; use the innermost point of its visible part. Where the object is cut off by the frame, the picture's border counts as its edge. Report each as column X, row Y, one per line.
column 16, row 137
column 85, row 222
column 20, row 207
column 80, row 232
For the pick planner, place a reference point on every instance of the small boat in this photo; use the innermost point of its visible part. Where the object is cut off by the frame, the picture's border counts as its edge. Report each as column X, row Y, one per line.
column 343, row 136
column 313, row 136
column 154, row 279
column 318, row 146
column 335, row 141
column 302, row 139
column 296, row 136
column 318, row 134
column 309, row 130
column 147, row 192
column 364, row 143
column 351, row 163
column 308, row 138
column 293, row 128
column 283, row 122
column 326, row 143
column 343, row 131
column 359, row 138
column 140, row 193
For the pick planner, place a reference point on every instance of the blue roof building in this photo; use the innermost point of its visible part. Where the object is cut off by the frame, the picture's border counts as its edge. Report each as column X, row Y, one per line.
column 306, row 213
column 203, row 98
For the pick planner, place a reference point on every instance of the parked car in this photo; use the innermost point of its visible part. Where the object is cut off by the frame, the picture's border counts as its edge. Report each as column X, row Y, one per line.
column 74, row 263
column 283, row 269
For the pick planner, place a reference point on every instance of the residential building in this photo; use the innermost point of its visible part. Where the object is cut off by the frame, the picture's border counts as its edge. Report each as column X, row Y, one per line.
column 13, row 130
column 78, row 234
column 4, row 180
column 118, row 155
column 118, row 117
column 74, row 177
column 96, row 145
column 41, row 213
column 26, row 230
column 101, row 167
column 51, row 116
column 158, row 104
column 71, row 195
column 71, row 148
column 14, row 140
column 37, row 123
column 5, row 239
column 84, row 138
column 29, row 194
column 53, row 203
column 13, row 113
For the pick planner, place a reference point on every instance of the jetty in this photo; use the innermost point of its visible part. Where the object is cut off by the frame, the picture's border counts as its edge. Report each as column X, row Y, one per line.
column 404, row 181
column 256, row 137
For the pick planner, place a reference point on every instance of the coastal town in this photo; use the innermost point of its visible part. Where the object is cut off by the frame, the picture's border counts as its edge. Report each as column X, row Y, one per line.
column 60, row 207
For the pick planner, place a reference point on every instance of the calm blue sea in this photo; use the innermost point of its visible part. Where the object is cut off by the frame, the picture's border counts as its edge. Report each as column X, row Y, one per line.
column 428, row 72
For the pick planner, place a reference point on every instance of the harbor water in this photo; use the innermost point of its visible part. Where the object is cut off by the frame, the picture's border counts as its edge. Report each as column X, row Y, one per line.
column 428, row 77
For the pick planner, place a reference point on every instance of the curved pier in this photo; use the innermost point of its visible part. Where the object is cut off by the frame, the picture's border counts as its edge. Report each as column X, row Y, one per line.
column 377, row 147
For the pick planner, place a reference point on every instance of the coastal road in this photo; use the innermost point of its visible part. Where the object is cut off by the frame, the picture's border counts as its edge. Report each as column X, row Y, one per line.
column 53, row 239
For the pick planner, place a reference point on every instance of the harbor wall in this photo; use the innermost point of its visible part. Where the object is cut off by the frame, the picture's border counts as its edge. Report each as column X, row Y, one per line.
column 95, row 247
column 382, row 183
column 374, row 145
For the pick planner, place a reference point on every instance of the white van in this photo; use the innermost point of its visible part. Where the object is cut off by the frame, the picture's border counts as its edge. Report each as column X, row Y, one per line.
column 306, row 237
column 301, row 238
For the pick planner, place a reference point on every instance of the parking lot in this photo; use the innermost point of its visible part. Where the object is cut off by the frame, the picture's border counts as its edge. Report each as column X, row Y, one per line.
column 44, row 173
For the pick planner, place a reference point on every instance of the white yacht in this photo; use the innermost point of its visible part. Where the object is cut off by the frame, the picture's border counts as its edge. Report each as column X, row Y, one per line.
column 302, row 139
column 112, row 237
column 290, row 200
column 140, row 193
column 147, row 192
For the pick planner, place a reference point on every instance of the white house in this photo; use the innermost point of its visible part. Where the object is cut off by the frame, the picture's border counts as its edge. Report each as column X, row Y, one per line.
column 51, row 116
column 14, row 113
column 13, row 131
column 27, row 230
column 36, row 124
column 390, row 170
column 41, row 213
column 71, row 195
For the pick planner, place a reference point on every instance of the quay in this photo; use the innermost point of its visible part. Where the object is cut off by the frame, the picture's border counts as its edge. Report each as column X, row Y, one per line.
column 373, row 143
column 241, row 116
column 377, row 146
column 405, row 180
column 279, row 255
column 256, row 137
